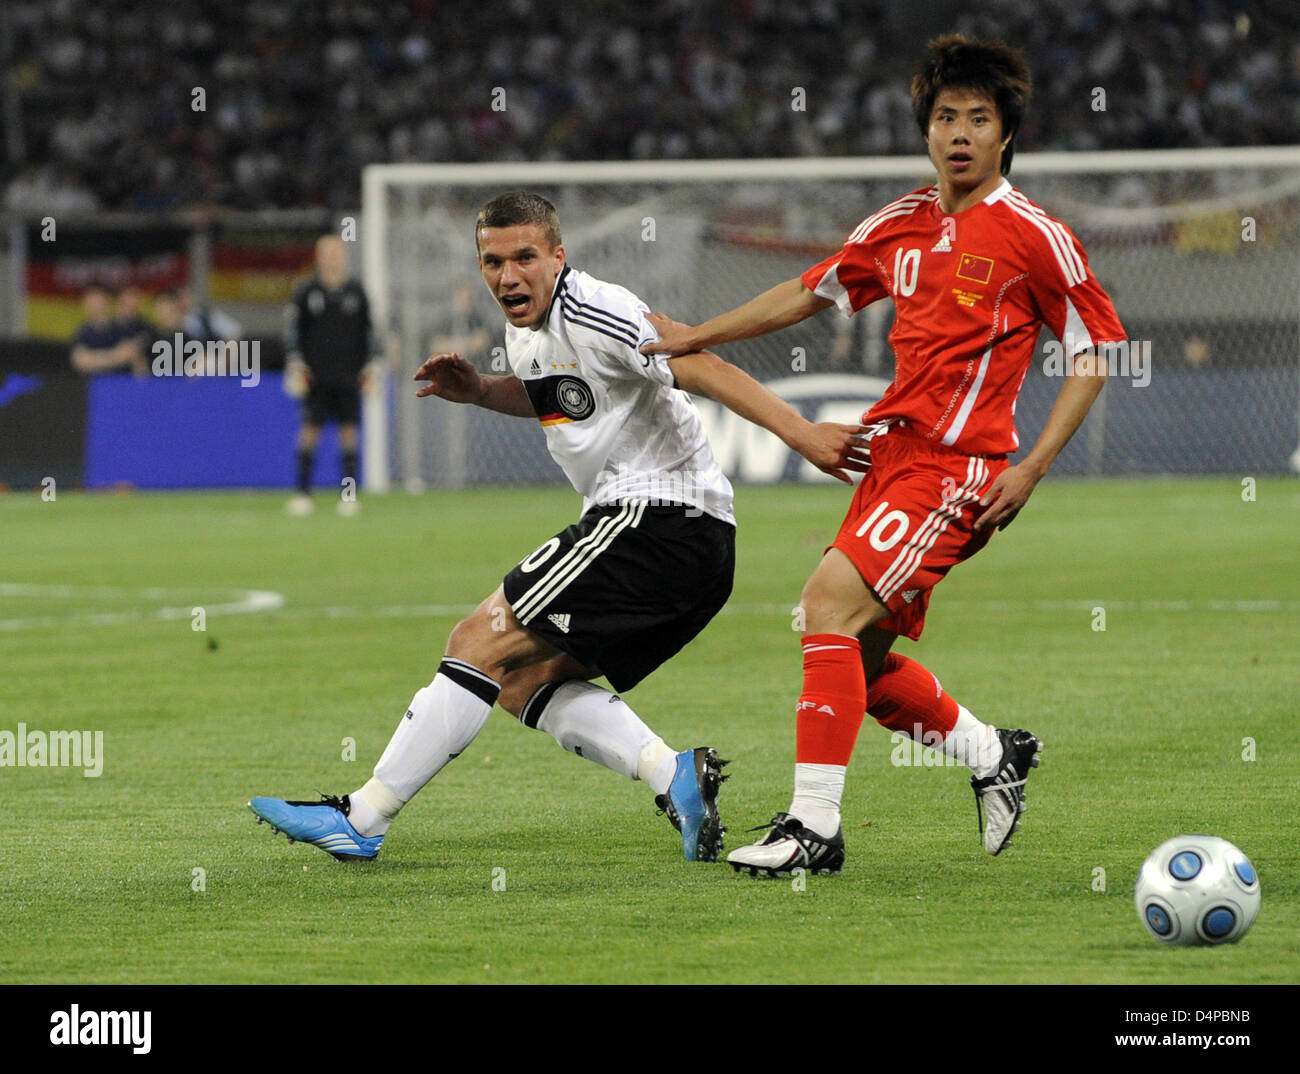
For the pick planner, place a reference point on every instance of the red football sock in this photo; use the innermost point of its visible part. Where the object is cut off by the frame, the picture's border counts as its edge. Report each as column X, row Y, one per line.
column 905, row 697
column 833, row 701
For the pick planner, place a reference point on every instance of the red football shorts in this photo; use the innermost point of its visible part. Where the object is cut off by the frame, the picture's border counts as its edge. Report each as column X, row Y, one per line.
column 912, row 518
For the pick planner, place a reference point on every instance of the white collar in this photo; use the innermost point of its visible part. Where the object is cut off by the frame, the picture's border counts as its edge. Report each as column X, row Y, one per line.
column 999, row 192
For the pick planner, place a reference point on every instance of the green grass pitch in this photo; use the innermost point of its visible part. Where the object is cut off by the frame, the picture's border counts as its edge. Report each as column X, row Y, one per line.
column 522, row 863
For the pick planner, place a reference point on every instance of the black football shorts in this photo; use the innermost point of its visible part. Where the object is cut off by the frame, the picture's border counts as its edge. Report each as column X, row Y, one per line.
column 627, row 586
column 327, row 402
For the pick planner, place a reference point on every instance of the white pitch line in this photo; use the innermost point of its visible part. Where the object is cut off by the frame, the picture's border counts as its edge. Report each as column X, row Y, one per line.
column 244, row 602
column 434, row 611
column 253, row 601
column 1070, row 605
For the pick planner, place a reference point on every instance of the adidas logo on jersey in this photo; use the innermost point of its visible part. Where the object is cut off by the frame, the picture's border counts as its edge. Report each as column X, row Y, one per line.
column 943, row 246
column 535, row 369
column 561, row 622
column 909, row 595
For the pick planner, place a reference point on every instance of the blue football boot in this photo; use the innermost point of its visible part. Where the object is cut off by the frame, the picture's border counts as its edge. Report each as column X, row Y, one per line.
column 692, row 803
column 323, row 824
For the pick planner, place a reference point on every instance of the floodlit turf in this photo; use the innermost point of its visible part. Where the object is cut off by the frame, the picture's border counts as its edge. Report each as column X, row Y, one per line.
column 522, row 863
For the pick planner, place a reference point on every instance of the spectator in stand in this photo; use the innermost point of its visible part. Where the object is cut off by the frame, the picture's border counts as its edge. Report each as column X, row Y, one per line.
column 99, row 345
column 131, row 323
column 207, row 323
column 169, row 322
column 168, row 314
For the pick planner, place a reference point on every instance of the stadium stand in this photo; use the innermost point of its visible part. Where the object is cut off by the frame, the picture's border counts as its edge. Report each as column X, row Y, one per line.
column 298, row 96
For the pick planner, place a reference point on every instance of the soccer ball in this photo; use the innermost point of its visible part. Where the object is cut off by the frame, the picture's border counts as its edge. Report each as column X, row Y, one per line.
column 1197, row 889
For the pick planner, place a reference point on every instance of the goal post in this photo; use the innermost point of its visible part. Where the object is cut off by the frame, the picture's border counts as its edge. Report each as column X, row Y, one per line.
column 1200, row 250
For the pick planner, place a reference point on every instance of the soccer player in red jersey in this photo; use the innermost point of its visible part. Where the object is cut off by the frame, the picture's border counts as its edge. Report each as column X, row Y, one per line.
column 974, row 270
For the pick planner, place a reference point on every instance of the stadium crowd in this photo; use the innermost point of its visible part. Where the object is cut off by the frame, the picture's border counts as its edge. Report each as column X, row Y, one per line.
column 116, row 336
column 280, row 103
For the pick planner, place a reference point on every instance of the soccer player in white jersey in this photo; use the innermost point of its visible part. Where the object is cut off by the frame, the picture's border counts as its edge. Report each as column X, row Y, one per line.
column 647, row 565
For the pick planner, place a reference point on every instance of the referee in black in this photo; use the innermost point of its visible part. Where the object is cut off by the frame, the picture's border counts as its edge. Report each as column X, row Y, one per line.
column 329, row 342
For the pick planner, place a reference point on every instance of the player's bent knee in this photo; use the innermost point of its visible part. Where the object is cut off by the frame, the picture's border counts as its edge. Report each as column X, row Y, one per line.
column 826, row 615
column 475, row 641
column 835, row 601
column 491, row 639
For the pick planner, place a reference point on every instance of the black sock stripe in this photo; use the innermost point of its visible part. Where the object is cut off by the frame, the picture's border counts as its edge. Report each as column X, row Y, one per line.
column 471, row 679
column 536, row 705
column 467, row 668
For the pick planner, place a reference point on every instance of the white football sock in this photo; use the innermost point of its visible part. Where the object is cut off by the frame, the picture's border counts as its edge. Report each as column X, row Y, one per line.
column 373, row 808
column 593, row 723
column 818, row 791
column 975, row 744
column 442, row 720
column 657, row 765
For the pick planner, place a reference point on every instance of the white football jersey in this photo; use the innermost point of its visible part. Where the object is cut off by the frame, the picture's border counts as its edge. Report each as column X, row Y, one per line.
column 614, row 421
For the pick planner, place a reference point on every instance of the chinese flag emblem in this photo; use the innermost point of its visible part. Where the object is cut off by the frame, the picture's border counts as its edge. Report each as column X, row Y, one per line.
column 975, row 268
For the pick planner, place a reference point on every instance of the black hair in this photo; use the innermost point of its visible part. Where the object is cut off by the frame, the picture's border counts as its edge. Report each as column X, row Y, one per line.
column 991, row 67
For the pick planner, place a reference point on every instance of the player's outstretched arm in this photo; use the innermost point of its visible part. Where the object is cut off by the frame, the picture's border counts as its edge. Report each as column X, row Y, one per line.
column 776, row 308
column 451, row 377
column 834, row 449
column 1011, row 489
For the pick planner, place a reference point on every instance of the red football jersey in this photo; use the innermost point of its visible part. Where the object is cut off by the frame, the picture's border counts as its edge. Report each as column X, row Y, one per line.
column 971, row 291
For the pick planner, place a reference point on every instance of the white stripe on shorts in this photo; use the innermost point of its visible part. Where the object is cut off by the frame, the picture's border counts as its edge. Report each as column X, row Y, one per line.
column 577, row 559
column 929, row 530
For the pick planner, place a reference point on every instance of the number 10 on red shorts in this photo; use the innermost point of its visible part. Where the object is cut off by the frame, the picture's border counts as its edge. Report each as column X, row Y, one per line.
column 912, row 518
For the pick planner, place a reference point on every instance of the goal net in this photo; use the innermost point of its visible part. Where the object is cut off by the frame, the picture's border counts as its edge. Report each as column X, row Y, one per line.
column 1200, row 251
